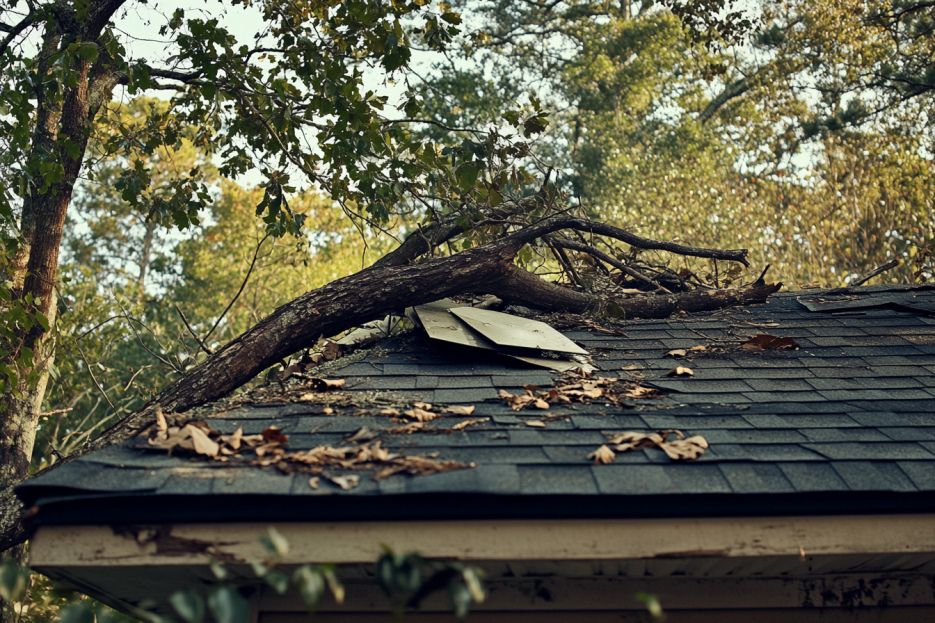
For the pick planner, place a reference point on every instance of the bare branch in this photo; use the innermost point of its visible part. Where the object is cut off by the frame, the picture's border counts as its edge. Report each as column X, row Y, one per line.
column 192, row 331
column 606, row 258
column 548, row 226
column 243, row 284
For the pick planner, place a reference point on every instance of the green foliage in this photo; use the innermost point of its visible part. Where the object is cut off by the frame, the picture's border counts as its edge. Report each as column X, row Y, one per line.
column 13, row 581
column 408, row 579
column 789, row 128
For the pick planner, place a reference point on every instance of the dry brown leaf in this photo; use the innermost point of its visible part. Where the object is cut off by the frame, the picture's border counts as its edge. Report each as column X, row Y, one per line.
column 273, row 435
column 765, row 341
column 677, row 352
column 638, row 391
column 361, row 435
column 681, row 371
column 408, row 429
column 162, row 426
column 539, row 403
column 516, row 402
column 535, row 423
column 201, row 443
column 459, row 409
column 324, row 385
column 602, row 455
column 345, row 482
column 327, row 411
column 390, row 412
column 313, row 482
column 426, row 406
column 233, row 440
column 679, row 448
column 419, row 466
column 698, row 348
column 471, row 422
column 420, row 415
column 687, row 449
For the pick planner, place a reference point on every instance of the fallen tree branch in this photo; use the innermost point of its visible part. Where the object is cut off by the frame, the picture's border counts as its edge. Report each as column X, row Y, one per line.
column 386, row 288
column 550, row 225
column 523, row 288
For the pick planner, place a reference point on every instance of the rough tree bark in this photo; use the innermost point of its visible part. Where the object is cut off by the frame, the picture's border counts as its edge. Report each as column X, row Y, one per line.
column 63, row 127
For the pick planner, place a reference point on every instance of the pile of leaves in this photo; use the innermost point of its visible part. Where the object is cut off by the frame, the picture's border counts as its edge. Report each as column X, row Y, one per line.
column 674, row 443
column 609, row 390
column 270, row 449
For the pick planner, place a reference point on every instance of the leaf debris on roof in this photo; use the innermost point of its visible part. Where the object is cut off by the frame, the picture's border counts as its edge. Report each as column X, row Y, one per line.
column 673, row 442
column 611, row 390
column 270, row 449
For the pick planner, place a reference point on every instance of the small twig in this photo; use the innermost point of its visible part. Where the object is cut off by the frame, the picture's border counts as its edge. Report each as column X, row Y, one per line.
column 761, row 278
column 97, row 383
column 605, row 257
column 566, row 263
column 882, row 268
column 256, row 254
column 55, row 412
column 192, row 331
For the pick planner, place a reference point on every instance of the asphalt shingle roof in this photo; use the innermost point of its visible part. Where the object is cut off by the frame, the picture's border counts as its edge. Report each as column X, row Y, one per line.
column 845, row 423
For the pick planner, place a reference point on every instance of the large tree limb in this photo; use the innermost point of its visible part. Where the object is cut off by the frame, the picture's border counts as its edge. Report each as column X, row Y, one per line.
column 425, row 239
column 521, row 287
column 731, row 91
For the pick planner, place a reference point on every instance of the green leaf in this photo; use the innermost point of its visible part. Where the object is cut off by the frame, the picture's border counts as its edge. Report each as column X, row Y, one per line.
column 311, row 586
column 278, row 581
column 467, row 174
column 78, row 612
column 512, row 117
column 334, row 584
column 86, row 50
column 13, row 579
column 189, row 605
column 460, row 599
column 535, row 124
column 275, row 543
column 228, row 606
column 653, row 606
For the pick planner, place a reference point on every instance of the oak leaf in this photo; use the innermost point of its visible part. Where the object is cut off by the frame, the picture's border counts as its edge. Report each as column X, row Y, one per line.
column 602, row 455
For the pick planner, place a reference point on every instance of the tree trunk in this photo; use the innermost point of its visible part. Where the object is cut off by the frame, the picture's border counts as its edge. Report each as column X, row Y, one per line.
column 63, row 127
column 145, row 256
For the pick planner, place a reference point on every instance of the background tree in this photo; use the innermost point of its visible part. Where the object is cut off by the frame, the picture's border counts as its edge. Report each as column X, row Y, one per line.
column 791, row 142
column 711, row 138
